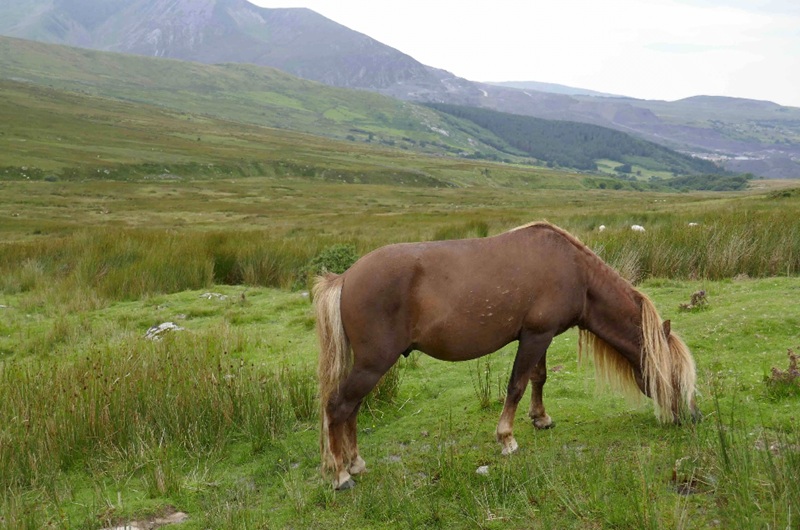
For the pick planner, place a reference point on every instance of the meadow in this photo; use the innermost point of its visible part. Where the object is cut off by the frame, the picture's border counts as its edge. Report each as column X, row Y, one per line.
column 100, row 425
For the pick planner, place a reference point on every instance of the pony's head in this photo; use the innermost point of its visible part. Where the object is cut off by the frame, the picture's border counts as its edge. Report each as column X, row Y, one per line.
column 666, row 371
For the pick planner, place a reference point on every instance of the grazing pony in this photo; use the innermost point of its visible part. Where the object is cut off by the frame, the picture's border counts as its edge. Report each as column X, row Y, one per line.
column 461, row 299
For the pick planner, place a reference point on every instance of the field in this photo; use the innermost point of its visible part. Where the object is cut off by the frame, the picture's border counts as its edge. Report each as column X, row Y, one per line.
column 219, row 420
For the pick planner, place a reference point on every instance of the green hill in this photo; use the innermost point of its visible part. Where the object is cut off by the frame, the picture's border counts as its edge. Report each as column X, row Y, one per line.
column 189, row 94
column 238, row 92
column 52, row 134
column 575, row 145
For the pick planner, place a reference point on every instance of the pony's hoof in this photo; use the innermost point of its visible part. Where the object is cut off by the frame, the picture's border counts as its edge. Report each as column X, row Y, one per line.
column 543, row 422
column 510, row 447
column 357, row 467
column 346, row 485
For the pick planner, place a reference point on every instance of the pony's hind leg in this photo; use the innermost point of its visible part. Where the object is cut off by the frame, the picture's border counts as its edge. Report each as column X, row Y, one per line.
column 355, row 464
column 342, row 412
column 541, row 420
column 532, row 348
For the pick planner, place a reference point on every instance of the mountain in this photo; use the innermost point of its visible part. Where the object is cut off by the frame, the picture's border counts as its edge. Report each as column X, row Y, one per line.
column 573, row 144
column 237, row 92
column 551, row 87
column 259, row 96
column 740, row 134
column 298, row 41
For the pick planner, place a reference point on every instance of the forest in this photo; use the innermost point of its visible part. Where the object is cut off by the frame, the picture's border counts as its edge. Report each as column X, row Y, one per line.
column 571, row 144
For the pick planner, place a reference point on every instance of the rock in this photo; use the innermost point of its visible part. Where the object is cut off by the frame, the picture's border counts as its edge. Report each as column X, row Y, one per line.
column 210, row 296
column 483, row 470
column 157, row 332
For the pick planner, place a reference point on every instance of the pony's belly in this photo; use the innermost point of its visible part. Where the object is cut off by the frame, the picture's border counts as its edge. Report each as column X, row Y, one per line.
column 464, row 345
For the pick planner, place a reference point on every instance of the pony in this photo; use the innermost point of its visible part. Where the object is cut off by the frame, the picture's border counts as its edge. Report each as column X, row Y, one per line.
column 458, row 300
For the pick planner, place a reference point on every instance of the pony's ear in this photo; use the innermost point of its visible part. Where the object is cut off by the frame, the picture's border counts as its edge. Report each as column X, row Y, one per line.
column 667, row 328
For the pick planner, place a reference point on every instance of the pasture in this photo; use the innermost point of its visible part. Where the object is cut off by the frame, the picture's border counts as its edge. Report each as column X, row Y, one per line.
column 219, row 420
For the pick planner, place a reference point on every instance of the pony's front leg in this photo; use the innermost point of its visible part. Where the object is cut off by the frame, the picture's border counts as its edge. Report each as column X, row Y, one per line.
column 541, row 420
column 532, row 348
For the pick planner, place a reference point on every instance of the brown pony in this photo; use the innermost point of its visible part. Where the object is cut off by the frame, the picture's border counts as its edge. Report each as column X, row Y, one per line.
column 461, row 299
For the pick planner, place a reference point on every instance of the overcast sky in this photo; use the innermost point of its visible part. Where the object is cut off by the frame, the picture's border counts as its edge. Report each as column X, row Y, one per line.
column 651, row 49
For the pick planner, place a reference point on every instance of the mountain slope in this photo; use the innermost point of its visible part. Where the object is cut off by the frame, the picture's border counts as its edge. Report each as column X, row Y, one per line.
column 52, row 134
column 246, row 93
column 268, row 97
column 306, row 44
column 297, row 41
column 577, row 145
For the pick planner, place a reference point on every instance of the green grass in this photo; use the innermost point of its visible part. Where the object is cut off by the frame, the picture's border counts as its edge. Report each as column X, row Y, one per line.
column 116, row 216
column 80, row 245
column 215, row 420
column 219, row 420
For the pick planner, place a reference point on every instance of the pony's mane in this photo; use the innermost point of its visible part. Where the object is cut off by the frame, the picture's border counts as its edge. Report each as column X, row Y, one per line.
column 668, row 368
column 601, row 267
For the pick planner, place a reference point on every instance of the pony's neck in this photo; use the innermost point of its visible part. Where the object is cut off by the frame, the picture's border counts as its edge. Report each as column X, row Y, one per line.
column 613, row 312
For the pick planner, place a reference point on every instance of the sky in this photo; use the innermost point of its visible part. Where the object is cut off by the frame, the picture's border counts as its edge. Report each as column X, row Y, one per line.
column 649, row 49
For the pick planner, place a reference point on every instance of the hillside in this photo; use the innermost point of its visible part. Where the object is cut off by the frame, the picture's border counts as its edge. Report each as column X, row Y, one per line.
column 297, row 41
column 268, row 97
column 740, row 134
column 48, row 134
column 238, row 92
column 577, row 145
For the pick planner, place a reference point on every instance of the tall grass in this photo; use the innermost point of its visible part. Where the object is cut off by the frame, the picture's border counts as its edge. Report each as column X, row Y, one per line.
column 185, row 392
column 109, row 264
column 757, row 245
column 130, row 264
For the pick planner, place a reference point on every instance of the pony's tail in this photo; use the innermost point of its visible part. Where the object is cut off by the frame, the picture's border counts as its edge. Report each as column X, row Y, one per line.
column 334, row 353
column 668, row 367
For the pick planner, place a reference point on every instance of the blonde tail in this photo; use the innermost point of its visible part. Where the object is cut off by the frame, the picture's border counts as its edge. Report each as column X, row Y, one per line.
column 334, row 355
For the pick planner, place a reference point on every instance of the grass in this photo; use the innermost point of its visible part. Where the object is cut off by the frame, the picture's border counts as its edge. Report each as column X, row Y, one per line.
column 116, row 216
column 219, row 421
column 101, row 426
column 83, row 244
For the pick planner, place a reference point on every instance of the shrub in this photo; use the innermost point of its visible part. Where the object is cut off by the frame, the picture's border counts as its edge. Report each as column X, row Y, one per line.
column 336, row 258
column 784, row 383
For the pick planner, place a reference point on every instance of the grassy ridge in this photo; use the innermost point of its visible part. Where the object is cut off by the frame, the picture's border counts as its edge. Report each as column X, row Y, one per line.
column 261, row 96
column 242, row 93
column 57, row 135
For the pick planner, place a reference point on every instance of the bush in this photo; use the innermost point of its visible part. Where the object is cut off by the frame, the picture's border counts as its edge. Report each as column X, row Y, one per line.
column 336, row 258
column 784, row 383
